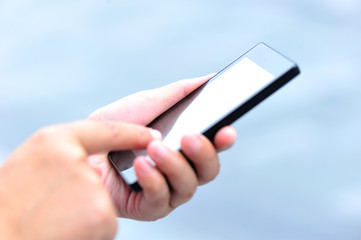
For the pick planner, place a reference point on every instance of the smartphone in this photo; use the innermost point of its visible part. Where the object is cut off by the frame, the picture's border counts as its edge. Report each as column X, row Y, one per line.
column 220, row 101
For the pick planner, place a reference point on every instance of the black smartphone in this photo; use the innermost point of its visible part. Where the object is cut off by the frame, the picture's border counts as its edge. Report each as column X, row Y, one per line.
column 220, row 101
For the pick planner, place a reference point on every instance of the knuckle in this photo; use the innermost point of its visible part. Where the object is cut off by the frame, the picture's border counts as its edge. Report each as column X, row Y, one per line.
column 44, row 134
column 46, row 138
column 112, row 127
column 182, row 197
column 175, row 172
column 114, row 131
column 75, row 154
column 210, row 176
column 159, row 203
column 160, row 200
column 154, row 190
column 188, row 194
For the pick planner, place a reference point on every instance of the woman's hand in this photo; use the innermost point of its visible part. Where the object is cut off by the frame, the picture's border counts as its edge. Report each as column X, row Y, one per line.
column 172, row 181
column 49, row 191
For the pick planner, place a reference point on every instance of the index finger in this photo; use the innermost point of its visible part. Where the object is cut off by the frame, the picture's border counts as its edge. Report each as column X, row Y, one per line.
column 102, row 136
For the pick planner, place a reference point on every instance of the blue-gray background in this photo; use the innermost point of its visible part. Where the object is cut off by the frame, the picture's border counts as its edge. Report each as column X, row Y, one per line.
column 295, row 170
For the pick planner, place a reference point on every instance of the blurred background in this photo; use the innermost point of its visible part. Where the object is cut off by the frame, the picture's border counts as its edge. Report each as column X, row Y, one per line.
column 295, row 170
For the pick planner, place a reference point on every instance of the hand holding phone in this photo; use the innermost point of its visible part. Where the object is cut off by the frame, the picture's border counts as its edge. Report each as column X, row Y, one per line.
column 219, row 102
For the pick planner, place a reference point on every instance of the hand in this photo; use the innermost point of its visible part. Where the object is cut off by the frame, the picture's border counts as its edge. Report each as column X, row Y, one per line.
column 158, row 199
column 49, row 191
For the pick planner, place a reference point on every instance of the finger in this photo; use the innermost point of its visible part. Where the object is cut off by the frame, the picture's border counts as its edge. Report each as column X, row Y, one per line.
column 201, row 152
column 155, row 189
column 178, row 171
column 96, row 136
column 142, row 107
column 225, row 138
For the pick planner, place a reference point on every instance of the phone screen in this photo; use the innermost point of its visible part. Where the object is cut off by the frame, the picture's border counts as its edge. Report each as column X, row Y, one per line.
column 218, row 102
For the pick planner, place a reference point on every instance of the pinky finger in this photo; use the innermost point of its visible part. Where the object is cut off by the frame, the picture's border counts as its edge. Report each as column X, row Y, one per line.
column 225, row 138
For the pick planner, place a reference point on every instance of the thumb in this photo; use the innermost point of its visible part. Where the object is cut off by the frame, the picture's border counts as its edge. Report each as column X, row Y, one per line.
column 143, row 107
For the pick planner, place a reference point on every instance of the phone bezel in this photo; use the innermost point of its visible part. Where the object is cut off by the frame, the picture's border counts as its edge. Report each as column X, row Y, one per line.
column 272, row 61
column 266, row 57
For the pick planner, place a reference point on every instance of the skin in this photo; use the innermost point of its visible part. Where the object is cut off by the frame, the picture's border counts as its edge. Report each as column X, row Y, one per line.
column 49, row 191
column 63, row 187
column 157, row 199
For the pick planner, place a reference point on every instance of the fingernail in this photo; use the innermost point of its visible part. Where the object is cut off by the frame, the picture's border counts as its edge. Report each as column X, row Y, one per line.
column 155, row 133
column 158, row 151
